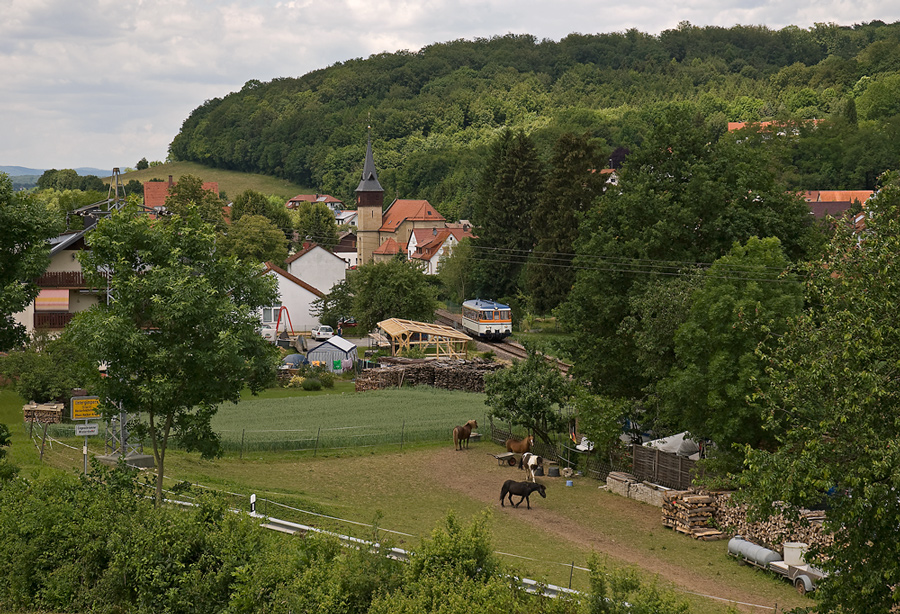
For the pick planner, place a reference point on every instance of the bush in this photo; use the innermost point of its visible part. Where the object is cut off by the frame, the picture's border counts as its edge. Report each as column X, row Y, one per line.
column 327, row 378
column 312, row 384
column 296, row 381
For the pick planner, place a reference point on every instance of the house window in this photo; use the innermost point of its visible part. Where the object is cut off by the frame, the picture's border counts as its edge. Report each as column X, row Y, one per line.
column 270, row 314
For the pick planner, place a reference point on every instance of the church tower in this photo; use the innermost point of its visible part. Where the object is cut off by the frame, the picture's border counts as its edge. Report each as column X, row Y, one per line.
column 369, row 206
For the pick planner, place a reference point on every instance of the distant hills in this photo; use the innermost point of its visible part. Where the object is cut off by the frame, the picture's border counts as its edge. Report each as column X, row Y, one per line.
column 16, row 171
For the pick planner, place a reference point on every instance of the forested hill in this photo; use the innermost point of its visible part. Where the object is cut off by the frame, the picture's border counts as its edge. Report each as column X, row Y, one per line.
column 433, row 112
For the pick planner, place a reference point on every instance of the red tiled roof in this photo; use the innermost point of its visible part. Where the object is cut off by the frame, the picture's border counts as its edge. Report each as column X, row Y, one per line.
column 831, row 196
column 296, row 280
column 732, row 126
column 388, row 248
column 413, row 210
column 156, row 192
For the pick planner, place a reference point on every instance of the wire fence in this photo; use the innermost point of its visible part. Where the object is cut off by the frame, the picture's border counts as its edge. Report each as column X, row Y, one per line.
column 312, row 439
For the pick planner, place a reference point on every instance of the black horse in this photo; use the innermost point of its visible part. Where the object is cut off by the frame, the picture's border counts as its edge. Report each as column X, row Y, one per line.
column 521, row 489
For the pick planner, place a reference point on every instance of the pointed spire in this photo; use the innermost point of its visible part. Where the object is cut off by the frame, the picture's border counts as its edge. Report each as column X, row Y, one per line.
column 369, row 181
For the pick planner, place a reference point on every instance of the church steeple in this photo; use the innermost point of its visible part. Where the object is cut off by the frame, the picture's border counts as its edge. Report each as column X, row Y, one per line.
column 369, row 205
column 369, row 182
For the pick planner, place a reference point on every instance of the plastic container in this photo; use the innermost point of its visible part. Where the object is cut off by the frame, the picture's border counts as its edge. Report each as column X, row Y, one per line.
column 553, row 472
column 794, row 553
column 538, row 471
column 569, row 483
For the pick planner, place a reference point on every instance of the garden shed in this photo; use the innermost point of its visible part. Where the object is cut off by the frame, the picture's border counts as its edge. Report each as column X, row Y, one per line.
column 335, row 354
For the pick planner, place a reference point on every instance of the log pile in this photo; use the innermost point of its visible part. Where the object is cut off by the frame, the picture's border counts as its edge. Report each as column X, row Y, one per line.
column 691, row 513
column 466, row 375
column 709, row 515
column 774, row 531
column 50, row 413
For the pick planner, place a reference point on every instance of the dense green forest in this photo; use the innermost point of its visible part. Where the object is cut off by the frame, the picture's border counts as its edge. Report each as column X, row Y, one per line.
column 434, row 112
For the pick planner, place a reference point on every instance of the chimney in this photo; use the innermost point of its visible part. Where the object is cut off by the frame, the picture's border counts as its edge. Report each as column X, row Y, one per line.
column 170, row 180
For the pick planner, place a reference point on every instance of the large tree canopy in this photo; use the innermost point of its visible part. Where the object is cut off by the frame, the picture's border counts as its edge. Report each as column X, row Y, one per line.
column 684, row 198
column 25, row 226
column 832, row 410
column 180, row 332
column 746, row 295
column 393, row 289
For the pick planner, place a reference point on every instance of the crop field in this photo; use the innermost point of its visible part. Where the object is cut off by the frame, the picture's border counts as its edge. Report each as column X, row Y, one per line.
column 336, row 421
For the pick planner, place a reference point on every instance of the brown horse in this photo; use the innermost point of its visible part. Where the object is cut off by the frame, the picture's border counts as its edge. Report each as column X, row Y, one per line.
column 461, row 434
column 520, row 447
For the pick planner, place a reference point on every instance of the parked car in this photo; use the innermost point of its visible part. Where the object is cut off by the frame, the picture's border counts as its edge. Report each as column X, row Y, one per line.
column 322, row 332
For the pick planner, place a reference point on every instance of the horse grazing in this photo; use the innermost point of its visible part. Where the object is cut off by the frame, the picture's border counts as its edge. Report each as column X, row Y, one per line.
column 521, row 489
column 530, row 462
column 461, row 434
column 519, row 447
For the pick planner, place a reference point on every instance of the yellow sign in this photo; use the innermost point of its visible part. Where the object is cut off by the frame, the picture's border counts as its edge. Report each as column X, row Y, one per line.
column 85, row 408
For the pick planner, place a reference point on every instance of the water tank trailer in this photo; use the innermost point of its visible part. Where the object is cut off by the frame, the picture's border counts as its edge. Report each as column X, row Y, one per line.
column 792, row 567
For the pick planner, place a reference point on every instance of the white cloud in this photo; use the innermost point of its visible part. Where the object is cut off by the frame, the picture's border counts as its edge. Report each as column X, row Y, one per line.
column 104, row 83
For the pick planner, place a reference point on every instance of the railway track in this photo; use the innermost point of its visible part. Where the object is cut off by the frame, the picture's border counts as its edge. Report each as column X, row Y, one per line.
column 505, row 349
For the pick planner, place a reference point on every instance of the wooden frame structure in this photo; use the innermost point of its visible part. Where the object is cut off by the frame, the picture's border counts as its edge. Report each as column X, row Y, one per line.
column 445, row 341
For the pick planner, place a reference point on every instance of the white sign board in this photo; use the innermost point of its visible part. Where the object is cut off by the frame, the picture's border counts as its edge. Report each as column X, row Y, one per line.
column 87, row 430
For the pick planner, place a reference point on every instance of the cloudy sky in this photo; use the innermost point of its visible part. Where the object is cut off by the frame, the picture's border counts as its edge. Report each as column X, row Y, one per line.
column 101, row 83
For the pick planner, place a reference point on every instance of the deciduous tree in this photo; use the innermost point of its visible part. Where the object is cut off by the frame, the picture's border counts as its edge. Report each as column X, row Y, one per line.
column 531, row 394
column 832, row 410
column 180, row 331
column 189, row 191
column 25, row 226
column 315, row 223
column 746, row 296
column 255, row 238
column 393, row 289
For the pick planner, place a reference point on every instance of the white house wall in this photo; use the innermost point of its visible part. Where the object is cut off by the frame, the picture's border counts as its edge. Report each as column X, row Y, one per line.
column 319, row 268
column 298, row 300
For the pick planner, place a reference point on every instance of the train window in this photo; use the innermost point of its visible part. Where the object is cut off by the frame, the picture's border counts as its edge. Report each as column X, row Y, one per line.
column 496, row 315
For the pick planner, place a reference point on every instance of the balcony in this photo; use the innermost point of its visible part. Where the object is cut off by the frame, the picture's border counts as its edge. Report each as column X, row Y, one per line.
column 62, row 279
column 51, row 320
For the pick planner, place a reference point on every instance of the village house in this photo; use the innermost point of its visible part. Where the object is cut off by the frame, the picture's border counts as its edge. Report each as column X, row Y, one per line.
column 296, row 297
column 427, row 247
column 63, row 290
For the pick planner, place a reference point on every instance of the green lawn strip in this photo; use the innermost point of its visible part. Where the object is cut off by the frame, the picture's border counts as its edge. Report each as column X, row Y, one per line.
column 349, row 421
column 230, row 182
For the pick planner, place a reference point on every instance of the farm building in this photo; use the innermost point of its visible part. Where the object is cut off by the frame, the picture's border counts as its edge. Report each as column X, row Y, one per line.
column 336, row 354
column 433, row 339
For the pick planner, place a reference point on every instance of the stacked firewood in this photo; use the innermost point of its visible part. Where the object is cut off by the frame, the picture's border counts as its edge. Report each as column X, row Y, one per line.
column 47, row 412
column 450, row 375
column 691, row 513
column 467, row 376
column 772, row 532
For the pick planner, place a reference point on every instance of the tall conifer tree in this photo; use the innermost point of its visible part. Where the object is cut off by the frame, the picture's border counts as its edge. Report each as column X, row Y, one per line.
column 509, row 187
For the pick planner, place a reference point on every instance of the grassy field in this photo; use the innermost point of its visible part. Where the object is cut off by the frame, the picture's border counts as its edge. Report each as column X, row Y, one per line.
column 384, row 417
column 408, row 492
column 230, row 182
